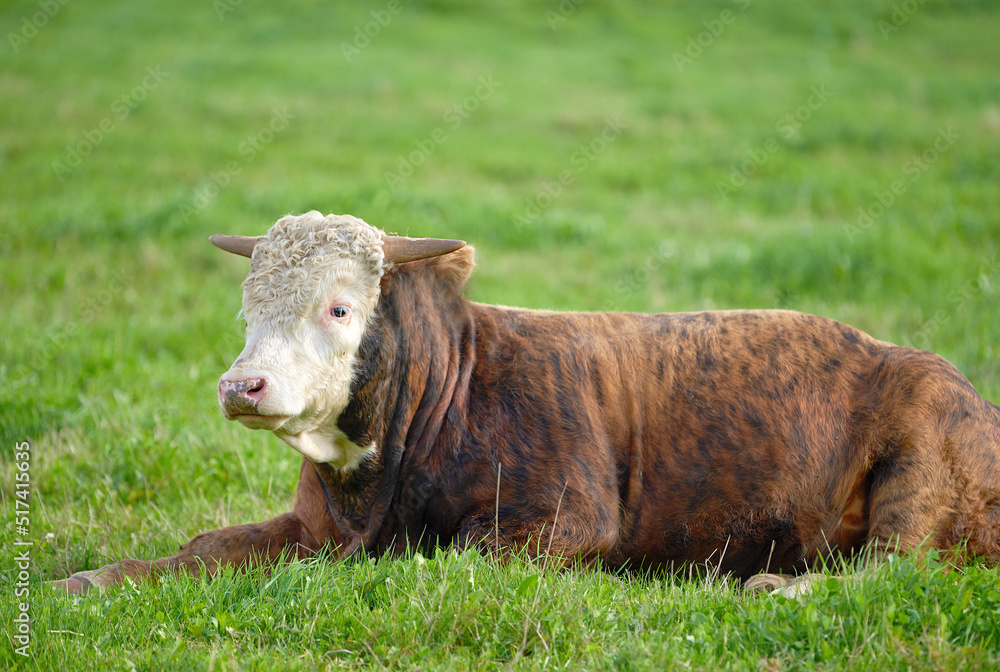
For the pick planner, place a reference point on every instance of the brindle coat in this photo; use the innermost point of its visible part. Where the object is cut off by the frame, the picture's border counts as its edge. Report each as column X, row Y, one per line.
column 759, row 438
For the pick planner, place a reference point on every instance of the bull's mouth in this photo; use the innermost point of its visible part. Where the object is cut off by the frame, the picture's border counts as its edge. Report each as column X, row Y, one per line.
column 255, row 421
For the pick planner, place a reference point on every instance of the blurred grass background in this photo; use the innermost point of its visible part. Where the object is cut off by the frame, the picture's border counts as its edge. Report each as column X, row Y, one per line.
column 129, row 132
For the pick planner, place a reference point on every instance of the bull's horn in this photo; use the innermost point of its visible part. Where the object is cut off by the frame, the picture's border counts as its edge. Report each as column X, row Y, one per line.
column 241, row 245
column 399, row 249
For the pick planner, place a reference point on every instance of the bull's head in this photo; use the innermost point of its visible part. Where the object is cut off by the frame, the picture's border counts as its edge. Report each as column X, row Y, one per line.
column 313, row 285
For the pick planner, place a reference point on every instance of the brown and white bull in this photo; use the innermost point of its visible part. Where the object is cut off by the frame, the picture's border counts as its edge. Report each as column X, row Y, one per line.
column 755, row 440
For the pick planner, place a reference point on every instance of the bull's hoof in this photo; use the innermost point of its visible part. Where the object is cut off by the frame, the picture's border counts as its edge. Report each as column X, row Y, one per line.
column 74, row 585
column 775, row 584
column 765, row 583
column 799, row 586
column 82, row 583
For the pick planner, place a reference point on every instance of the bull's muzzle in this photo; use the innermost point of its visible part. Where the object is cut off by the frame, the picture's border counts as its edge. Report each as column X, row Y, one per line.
column 241, row 397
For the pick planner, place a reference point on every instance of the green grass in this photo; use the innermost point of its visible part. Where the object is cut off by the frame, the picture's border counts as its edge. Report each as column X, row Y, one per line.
column 118, row 317
column 463, row 611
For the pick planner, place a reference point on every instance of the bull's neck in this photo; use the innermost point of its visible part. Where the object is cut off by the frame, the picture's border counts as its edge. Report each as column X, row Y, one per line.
column 413, row 366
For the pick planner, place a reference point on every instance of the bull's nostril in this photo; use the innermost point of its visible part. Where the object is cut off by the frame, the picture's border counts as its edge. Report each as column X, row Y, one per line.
column 255, row 388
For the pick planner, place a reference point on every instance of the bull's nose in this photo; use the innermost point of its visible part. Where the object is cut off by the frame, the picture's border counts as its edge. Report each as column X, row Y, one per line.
column 239, row 397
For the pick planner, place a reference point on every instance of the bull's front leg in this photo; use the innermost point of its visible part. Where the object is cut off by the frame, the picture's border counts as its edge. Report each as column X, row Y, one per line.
column 583, row 532
column 238, row 545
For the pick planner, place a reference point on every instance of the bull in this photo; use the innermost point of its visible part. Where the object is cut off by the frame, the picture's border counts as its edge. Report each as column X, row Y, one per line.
column 759, row 441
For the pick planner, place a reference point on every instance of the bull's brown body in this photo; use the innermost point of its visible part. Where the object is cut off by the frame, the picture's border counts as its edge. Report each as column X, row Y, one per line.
column 758, row 439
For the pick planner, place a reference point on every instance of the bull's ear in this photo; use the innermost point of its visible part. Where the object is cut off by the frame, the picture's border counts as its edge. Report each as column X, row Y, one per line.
column 398, row 249
column 241, row 245
column 456, row 267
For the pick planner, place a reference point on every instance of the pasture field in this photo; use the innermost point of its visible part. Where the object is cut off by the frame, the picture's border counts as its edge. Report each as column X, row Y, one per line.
column 836, row 158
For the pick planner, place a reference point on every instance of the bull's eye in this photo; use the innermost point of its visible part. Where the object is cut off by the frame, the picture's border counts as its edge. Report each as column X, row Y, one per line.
column 340, row 311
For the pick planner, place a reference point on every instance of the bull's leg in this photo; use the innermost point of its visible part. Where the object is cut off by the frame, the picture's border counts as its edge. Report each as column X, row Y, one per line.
column 938, row 487
column 908, row 491
column 238, row 546
column 510, row 537
column 971, row 515
column 939, row 483
column 565, row 537
column 941, row 489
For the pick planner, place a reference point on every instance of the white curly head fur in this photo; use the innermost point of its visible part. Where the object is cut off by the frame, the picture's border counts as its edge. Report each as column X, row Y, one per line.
column 300, row 255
